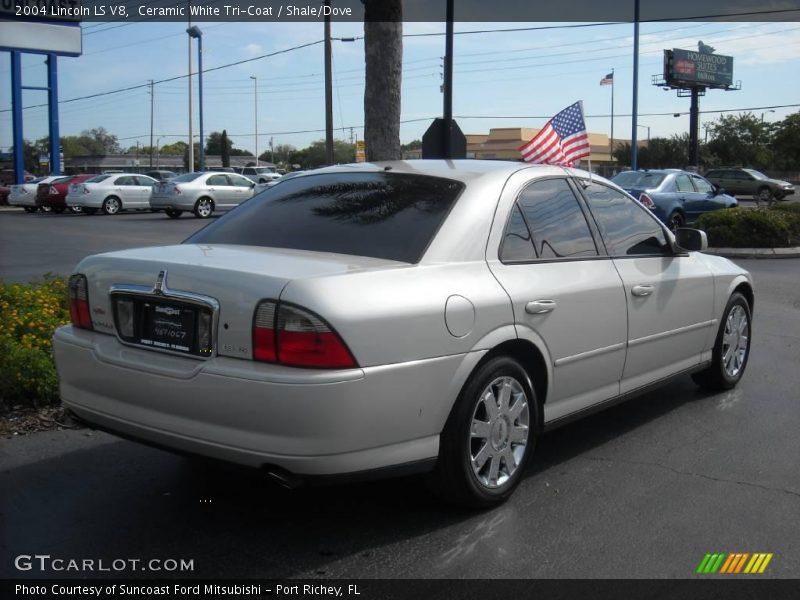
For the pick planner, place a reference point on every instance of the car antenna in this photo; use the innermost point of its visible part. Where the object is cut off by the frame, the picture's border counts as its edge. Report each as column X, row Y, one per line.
column 387, row 168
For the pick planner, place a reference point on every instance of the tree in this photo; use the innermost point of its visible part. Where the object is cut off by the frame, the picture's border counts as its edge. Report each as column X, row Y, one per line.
column 413, row 145
column 786, row 143
column 383, row 55
column 225, row 151
column 741, row 139
column 283, row 152
column 314, row 155
column 174, row 149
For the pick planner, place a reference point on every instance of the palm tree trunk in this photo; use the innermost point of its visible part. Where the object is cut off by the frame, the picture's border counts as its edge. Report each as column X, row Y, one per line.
column 383, row 53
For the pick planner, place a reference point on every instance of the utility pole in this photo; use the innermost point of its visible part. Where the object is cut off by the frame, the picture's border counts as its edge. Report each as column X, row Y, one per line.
column 191, row 137
column 151, row 123
column 448, row 82
column 634, row 149
column 328, row 88
column 255, row 110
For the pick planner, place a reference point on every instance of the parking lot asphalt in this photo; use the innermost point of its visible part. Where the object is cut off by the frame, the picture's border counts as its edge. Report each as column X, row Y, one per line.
column 642, row 490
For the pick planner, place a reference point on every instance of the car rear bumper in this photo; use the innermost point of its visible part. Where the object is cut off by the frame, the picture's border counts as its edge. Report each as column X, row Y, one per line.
column 182, row 202
column 85, row 200
column 308, row 422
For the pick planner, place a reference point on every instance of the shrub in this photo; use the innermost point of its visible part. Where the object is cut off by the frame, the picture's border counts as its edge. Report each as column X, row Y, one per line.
column 791, row 207
column 751, row 228
column 29, row 314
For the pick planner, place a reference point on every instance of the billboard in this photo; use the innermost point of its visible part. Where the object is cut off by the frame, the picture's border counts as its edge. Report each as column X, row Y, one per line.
column 689, row 68
column 48, row 26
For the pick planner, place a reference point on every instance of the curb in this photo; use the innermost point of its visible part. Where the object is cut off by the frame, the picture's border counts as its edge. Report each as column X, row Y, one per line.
column 755, row 252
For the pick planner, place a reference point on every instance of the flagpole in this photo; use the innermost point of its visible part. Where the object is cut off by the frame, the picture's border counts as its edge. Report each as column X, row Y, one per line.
column 612, row 116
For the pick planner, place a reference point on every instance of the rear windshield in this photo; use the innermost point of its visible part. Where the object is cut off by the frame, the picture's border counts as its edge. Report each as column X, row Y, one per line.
column 638, row 179
column 380, row 215
column 98, row 179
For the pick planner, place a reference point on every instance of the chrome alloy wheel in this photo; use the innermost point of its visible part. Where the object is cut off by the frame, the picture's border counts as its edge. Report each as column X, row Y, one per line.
column 111, row 206
column 734, row 341
column 204, row 208
column 499, row 432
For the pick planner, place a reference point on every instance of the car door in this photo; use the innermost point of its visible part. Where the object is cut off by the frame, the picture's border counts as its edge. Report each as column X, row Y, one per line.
column 220, row 189
column 128, row 191
column 708, row 200
column 693, row 202
column 242, row 188
column 566, row 294
column 670, row 296
column 145, row 189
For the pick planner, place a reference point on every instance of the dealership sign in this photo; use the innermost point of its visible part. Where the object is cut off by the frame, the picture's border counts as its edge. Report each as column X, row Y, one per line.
column 689, row 68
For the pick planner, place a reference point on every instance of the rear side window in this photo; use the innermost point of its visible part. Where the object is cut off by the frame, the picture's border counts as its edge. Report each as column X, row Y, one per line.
column 683, row 183
column 98, row 179
column 382, row 215
column 517, row 243
column 556, row 221
column 628, row 229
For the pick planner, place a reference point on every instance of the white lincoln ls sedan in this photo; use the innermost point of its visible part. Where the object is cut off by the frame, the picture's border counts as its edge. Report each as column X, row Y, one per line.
column 420, row 316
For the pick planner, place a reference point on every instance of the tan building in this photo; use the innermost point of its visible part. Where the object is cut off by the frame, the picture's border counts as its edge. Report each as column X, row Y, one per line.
column 504, row 143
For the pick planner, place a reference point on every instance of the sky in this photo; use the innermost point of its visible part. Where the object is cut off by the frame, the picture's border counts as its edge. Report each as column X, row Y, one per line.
column 527, row 75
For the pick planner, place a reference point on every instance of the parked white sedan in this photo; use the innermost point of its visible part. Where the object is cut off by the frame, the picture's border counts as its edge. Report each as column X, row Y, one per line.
column 396, row 317
column 112, row 193
column 201, row 193
column 24, row 194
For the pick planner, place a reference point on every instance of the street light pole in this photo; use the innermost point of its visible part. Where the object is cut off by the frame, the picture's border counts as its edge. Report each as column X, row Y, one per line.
column 255, row 110
column 194, row 32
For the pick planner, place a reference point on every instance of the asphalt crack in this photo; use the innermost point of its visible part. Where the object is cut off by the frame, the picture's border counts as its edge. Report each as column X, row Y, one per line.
column 693, row 474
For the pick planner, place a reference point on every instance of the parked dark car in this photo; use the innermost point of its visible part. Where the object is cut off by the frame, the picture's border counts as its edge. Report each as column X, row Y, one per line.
column 7, row 177
column 676, row 197
column 53, row 195
column 749, row 182
column 160, row 175
column 4, row 191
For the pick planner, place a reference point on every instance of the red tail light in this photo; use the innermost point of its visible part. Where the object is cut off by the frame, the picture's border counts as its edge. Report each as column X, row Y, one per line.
column 647, row 201
column 79, row 312
column 292, row 336
column 176, row 190
column 53, row 191
column 85, row 189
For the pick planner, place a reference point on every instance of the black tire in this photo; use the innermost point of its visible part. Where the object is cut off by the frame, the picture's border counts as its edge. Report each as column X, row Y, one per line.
column 173, row 213
column 76, row 209
column 89, row 211
column 675, row 221
column 454, row 477
column 46, row 209
column 718, row 376
column 112, row 205
column 59, row 209
column 30, row 209
column 764, row 194
column 203, row 208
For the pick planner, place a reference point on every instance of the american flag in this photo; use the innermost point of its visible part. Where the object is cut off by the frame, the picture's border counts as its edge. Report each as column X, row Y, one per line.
column 562, row 141
column 608, row 79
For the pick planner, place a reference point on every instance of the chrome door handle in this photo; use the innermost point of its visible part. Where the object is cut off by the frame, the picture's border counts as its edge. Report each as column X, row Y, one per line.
column 538, row 307
column 642, row 290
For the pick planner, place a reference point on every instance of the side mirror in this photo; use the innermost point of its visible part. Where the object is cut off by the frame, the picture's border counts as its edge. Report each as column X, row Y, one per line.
column 718, row 190
column 691, row 240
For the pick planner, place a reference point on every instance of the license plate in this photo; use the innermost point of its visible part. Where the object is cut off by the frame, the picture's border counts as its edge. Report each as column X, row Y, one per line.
column 168, row 326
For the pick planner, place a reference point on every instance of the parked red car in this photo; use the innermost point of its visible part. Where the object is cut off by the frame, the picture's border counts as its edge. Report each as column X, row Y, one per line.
column 53, row 195
column 4, row 191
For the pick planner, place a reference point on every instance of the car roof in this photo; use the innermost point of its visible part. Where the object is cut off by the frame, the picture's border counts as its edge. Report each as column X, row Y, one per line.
column 464, row 170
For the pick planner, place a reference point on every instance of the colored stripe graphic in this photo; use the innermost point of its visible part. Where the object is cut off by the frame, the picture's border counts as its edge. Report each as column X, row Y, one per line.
column 727, row 565
column 734, row 563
